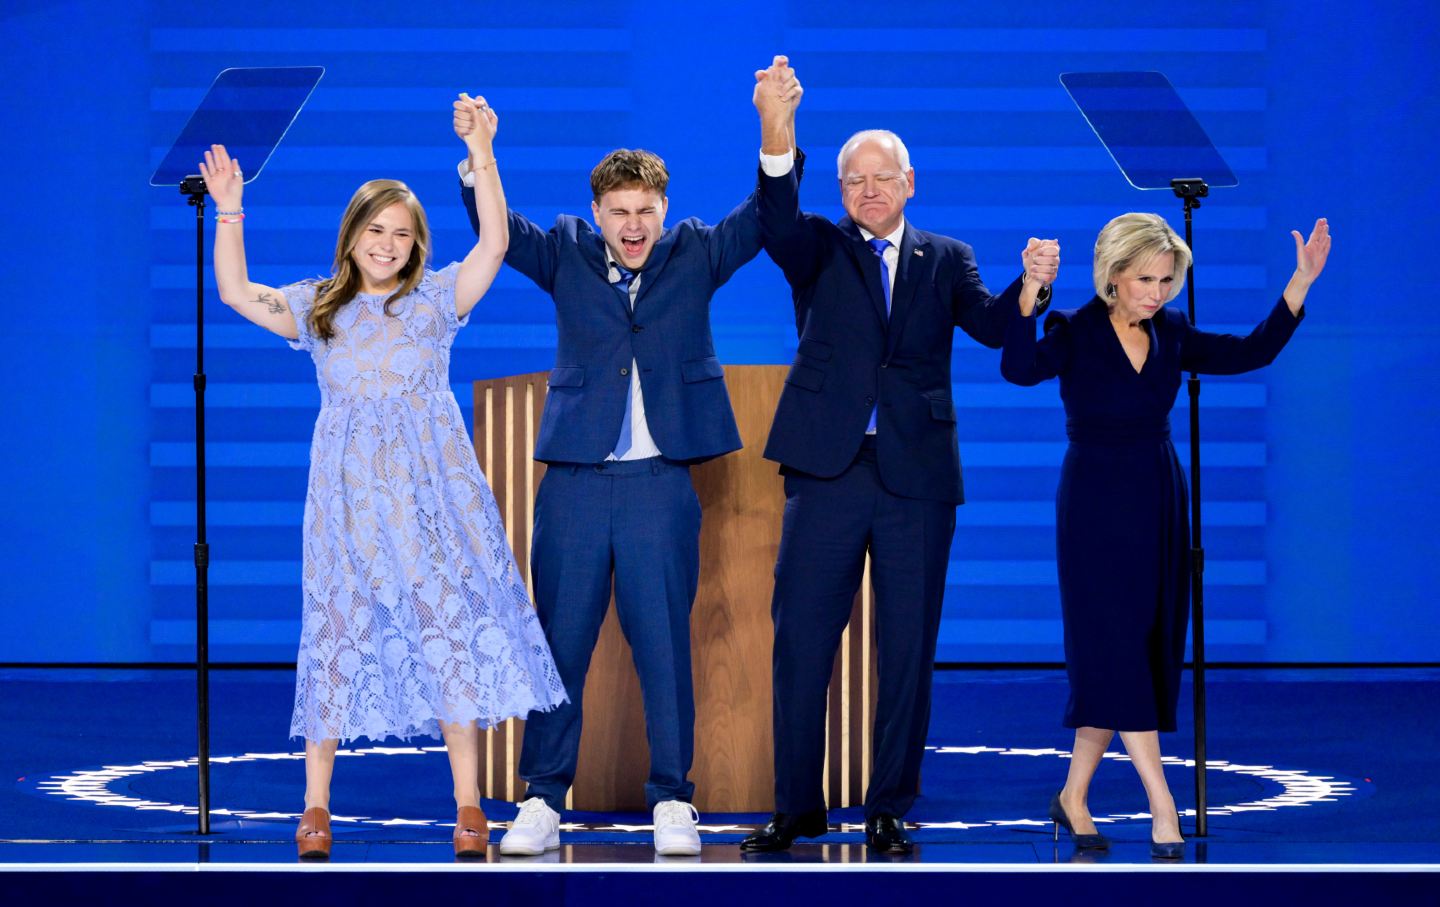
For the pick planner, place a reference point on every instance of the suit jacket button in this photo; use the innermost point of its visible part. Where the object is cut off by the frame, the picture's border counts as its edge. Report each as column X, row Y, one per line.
column 869, row 399
column 624, row 371
column 635, row 328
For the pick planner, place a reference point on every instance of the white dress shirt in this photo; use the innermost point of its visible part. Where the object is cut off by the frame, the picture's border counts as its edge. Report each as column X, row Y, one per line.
column 642, row 446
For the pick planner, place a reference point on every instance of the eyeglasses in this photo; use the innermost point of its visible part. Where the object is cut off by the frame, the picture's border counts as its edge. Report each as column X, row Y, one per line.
column 885, row 179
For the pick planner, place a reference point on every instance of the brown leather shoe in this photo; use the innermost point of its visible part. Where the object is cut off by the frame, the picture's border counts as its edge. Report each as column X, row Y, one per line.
column 471, row 846
column 313, row 837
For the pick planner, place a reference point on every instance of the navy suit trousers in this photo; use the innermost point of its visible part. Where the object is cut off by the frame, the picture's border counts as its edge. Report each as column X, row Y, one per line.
column 829, row 525
column 638, row 523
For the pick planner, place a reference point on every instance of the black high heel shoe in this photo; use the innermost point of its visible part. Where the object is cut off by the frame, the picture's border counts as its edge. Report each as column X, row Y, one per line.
column 1169, row 850
column 1082, row 842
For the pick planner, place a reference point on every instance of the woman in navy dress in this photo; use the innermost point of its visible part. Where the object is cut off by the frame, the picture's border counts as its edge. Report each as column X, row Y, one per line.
column 1122, row 534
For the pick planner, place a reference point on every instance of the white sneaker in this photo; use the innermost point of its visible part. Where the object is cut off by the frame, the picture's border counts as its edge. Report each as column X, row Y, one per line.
column 675, row 834
column 535, row 830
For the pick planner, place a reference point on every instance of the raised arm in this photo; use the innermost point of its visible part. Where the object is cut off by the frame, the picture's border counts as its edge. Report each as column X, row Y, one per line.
column 479, row 268
column 531, row 250
column 1230, row 354
column 787, row 237
column 256, row 302
column 986, row 317
column 1310, row 258
column 1025, row 362
column 777, row 94
column 1041, row 261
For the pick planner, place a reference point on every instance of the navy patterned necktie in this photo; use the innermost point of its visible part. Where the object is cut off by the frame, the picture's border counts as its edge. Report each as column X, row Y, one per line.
column 879, row 246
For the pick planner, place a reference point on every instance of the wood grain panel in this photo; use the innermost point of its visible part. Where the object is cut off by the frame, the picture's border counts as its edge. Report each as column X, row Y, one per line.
column 742, row 500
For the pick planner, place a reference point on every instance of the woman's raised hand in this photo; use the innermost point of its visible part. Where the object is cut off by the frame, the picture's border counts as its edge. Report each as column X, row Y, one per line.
column 1310, row 256
column 223, row 179
column 476, row 123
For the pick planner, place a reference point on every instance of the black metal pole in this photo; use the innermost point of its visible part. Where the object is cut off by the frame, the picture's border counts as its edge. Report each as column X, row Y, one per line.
column 194, row 188
column 1190, row 192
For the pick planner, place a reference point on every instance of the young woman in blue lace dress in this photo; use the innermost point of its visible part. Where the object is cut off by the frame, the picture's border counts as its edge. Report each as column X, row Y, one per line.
column 415, row 617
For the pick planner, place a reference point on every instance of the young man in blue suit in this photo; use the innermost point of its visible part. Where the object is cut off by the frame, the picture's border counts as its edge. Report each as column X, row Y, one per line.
column 636, row 396
column 865, row 435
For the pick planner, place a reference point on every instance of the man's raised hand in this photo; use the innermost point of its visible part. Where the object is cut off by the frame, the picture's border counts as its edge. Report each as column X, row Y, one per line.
column 777, row 90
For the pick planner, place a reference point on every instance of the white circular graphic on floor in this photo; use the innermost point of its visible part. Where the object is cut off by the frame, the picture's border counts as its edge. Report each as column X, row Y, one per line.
column 1296, row 788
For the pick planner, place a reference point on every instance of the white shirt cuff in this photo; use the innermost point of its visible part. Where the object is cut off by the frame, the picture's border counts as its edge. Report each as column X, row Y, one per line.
column 467, row 176
column 777, row 164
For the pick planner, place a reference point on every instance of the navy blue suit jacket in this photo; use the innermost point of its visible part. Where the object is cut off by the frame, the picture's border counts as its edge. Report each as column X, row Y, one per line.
column 687, row 407
column 851, row 356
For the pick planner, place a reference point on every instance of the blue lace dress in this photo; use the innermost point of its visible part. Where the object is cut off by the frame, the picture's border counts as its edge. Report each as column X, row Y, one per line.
column 414, row 609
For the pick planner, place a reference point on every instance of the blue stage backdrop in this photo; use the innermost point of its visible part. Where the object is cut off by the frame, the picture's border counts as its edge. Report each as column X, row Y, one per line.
column 1319, row 498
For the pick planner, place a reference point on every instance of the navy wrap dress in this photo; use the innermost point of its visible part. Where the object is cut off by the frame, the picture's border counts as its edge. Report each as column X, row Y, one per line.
column 1121, row 511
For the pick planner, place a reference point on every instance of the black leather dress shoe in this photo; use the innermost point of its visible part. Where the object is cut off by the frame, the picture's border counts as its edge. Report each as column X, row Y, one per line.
column 887, row 834
column 782, row 830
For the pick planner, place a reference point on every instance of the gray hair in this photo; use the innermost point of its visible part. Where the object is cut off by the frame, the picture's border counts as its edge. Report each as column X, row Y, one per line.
column 1132, row 239
column 902, row 154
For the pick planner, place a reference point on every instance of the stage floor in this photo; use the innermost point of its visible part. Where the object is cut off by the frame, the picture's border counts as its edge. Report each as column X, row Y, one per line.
column 1311, row 769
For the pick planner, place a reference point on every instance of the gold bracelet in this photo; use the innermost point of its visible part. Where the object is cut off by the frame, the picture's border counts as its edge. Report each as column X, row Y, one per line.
column 485, row 166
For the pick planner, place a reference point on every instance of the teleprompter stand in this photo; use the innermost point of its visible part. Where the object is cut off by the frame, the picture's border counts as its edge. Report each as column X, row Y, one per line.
column 1158, row 144
column 249, row 112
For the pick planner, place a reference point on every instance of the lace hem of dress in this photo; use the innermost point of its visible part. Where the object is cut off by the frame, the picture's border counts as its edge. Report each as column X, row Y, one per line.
column 378, row 733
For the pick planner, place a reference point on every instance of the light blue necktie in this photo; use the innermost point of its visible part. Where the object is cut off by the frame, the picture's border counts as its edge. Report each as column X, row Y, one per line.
column 879, row 246
column 622, row 446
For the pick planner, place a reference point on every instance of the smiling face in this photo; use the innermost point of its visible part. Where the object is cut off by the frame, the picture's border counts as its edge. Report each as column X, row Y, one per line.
column 874, row 188
column 631, row 219
column 1141, row 289
column 382, row 247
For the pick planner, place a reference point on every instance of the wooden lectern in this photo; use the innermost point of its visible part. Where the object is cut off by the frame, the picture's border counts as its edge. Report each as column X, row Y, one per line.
column 742, row 499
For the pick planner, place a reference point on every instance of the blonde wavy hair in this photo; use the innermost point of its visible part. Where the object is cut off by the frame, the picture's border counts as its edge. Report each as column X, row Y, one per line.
column 1136, row 238
column 368, row 201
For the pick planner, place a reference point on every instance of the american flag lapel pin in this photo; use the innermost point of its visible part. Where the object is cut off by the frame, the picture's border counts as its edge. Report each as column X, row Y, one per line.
column 920, row 252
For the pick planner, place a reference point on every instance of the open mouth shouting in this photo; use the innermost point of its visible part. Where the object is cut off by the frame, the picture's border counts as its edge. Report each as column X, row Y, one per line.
column 631, row 220
column 633, row 244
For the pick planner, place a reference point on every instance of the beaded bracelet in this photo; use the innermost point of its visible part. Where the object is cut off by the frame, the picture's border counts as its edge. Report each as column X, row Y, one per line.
column 229, row 218
column 236, row 211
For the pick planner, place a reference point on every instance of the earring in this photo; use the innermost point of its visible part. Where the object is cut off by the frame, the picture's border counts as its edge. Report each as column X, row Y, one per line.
column 1110, row 290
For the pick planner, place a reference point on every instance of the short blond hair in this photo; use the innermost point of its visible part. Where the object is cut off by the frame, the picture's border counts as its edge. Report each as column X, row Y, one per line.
column 625, row 168
column 1134, row 239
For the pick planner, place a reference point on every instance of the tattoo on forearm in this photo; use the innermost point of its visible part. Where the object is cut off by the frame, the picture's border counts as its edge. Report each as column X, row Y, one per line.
column 271, row 302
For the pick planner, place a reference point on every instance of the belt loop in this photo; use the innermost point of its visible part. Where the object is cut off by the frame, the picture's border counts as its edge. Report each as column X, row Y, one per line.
column 656, row 466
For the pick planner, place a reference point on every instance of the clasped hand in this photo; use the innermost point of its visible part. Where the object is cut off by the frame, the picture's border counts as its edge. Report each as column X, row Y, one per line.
column 475, row 121
column 777, row 89
column 1041, row 260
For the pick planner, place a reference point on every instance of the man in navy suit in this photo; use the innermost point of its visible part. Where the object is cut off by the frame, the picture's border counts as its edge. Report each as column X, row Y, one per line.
column 865, row 435
column 636, row 396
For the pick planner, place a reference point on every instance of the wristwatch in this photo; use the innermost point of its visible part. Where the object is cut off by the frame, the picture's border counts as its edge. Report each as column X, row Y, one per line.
column 1042, row 296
